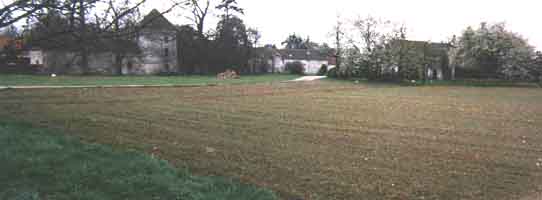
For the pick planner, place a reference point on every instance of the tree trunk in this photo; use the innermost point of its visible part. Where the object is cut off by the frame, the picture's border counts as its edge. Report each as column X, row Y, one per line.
column 400, row 68
column 180, row 59
column 272, row 65
column 338, row 52
column 84, row 61
column 453, row 73
column 200, row 27
column 82, row 32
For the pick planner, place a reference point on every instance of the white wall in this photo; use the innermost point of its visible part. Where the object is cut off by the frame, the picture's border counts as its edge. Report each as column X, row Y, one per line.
column 311, row 66
column 36, row 57
column 278, row 64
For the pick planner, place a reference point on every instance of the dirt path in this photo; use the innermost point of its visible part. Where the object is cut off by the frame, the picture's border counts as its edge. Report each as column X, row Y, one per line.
column 309, row 78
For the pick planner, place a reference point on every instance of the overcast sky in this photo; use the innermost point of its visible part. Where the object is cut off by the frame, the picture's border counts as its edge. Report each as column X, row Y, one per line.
column 433, row 20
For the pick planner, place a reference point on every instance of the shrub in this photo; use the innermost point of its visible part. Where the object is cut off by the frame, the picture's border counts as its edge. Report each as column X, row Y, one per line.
column 295, row 68
column 345, row 73
column 322, row 71
column 332, row 73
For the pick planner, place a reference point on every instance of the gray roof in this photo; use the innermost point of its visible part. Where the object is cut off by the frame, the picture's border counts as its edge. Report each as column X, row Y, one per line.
column 265, row 52
column 430, row 48
column 156, row 21
column 303, row 54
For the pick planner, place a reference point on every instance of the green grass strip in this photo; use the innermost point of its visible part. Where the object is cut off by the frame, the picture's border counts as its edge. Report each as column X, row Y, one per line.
column 38, row 164
column 42, row 80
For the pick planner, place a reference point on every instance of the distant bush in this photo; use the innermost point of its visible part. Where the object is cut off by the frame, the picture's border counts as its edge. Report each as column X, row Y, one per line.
column 295, row 68
column 322, row 71
column 332, row 73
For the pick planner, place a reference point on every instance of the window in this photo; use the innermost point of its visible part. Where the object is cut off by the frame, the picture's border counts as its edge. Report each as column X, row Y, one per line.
column 166, row 52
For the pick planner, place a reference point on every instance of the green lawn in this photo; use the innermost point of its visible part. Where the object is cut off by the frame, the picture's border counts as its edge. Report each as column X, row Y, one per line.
column 38, row 164
column 36, row 80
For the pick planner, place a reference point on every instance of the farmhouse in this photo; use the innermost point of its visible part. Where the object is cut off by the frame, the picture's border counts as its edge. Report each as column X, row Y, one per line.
column 153, row 51
column 266, row 60
column 312, row 59
column 275, row 60
column 157, row 44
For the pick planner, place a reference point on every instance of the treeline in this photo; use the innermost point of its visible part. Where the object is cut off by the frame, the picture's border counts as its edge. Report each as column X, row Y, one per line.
column 376, row 49
column 79, row 26
column 493, row 52
column 86, row 27
column 227, row 46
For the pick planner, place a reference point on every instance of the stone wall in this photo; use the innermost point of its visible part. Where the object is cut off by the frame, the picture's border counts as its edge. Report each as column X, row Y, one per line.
column 158, row 52
column 70, row 62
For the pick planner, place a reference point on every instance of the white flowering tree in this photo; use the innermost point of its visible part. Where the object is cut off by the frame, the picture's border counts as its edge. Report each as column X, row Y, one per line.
column 494, row 52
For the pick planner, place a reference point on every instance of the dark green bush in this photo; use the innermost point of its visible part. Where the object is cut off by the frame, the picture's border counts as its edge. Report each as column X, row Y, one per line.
column 332, row 73
column 322, row 71
column 295, row 68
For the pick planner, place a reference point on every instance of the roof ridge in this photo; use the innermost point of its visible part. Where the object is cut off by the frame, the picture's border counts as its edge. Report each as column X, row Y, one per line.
column 157, row 19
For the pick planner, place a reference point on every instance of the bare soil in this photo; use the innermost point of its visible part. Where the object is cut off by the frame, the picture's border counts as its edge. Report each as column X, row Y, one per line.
column 317, row 140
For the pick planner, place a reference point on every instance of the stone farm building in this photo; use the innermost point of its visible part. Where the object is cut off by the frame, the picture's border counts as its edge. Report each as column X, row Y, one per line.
column 154, row 52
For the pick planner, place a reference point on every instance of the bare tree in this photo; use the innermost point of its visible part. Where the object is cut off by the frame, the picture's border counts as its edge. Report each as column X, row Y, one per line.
column 254, row 36
column 24, row 9
column 339, row 34
column 199, row 14
column 82, row 35
column 453, row 56
column 373, row 34
column 400, row 48
column 369, row 30
column 10, row 31
column 90, row 21
column 123, row 19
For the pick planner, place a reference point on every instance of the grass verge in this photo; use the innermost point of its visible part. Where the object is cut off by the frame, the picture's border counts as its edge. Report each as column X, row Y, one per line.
column 461, row 83
column 39, row 80
column 37, row 164
column 482, row 83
